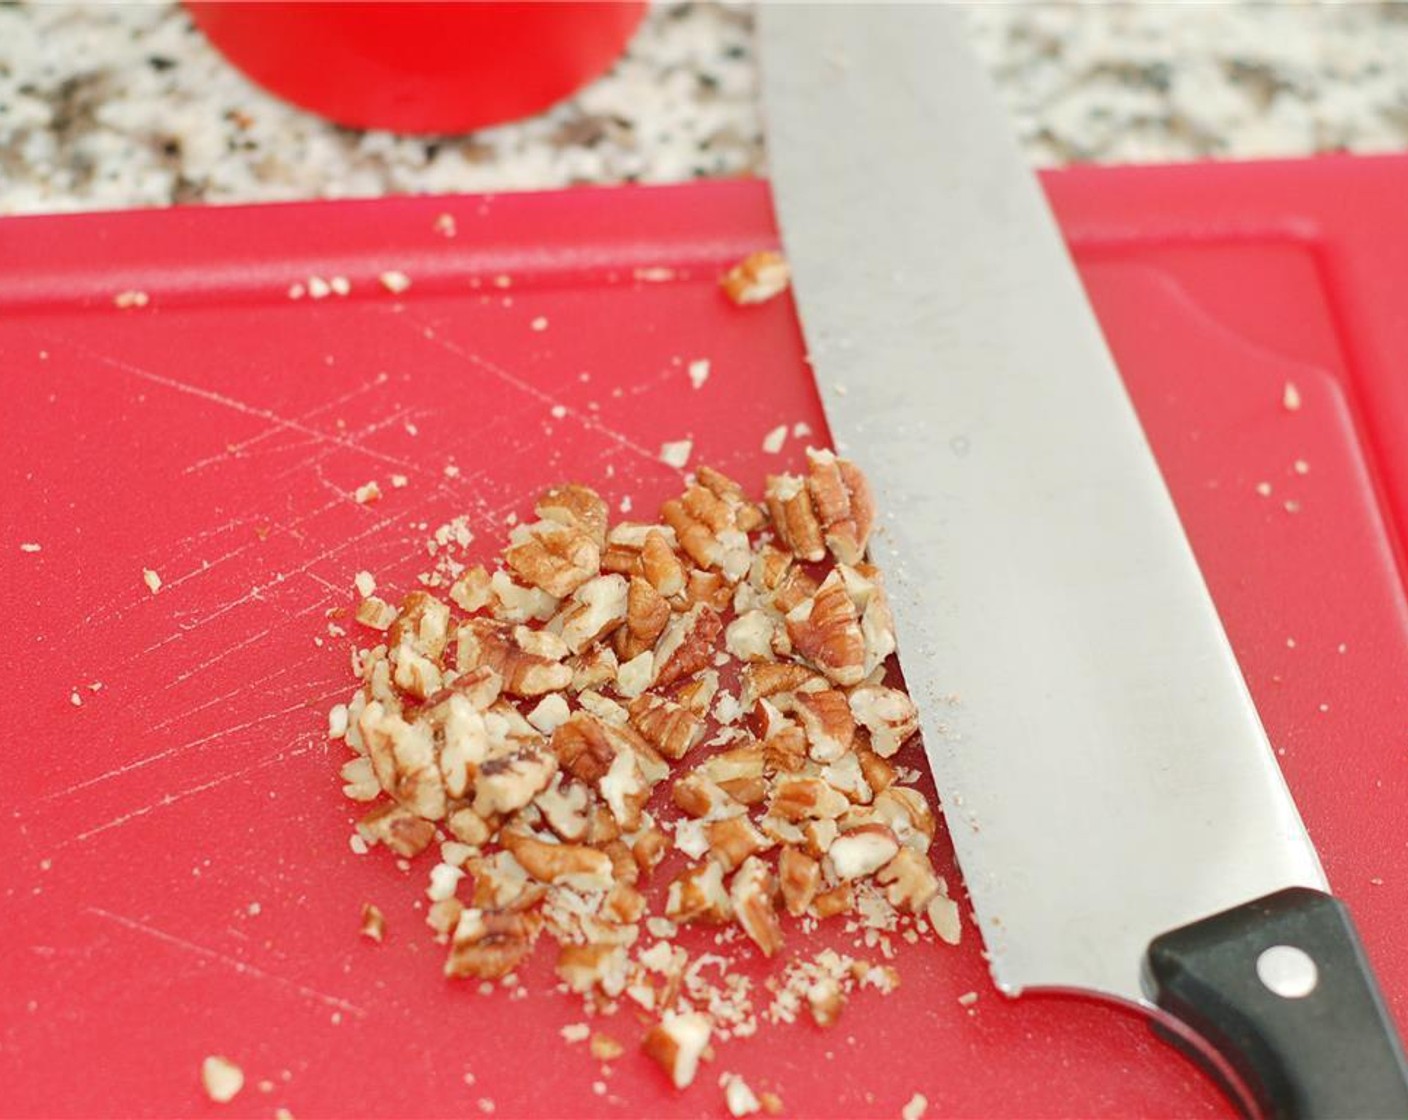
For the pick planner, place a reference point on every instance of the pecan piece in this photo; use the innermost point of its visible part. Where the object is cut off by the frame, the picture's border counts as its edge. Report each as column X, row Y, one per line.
column 862, row 851
column 907, row 814
column 482, row 643
column 687, row 645
column 804, row 798
column 585, row 967
column 799, row 876
column 594, row 610
column 826, row 631
column 677, row 1043
column 794, row 517
column 751, row 895
column 843, row 504
column 570, row 865
column 909, row 881
column 697, row 894
column 672, row 729
column 735, row 839
column 489, row 944
column 555, row 558
column 827, row 721
column 888, row 714
column 577, row 507
column 399, row 829
column 646, row 614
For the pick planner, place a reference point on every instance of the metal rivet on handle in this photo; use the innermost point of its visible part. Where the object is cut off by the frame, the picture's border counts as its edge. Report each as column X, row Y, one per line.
column 1287, row 971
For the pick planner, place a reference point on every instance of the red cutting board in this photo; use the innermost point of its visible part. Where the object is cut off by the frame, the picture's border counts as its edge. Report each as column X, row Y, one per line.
column 177, row 879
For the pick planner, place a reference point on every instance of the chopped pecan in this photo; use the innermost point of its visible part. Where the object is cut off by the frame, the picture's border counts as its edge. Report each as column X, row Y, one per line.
column 825, row 999
column 837, row 900
column 649, row 849
column 909, row 881
column 585, row 967
column 576, row 507
column 634, row 676
column 746, row 791
column 698, row 693
column 489, row 944
column 799, row 876
column 751, row 895
column 907, row 814
column 376, row 613
column 708, row 588
column 672, row 729
column 359, row 780
column 677, row 1043
column 843, row 504
column 472, row 591
column 570, row 865
column 514, row 603
column 734, row 839
column 595, row 609
column 794, row 517
column 549, row 713
column 804, row 798
column 706, row 525
column 818, row 836
column 697, row 894
column 698, row 796
column 660, row 566
column 399, row 829
column 888, row 714
column 468, row 827
column 846, row 776
column 500, row 883
column 481, row 642
column 943, row 915
column 866, row 588
column 422, row 623
column 879, row 775
column 746, row 515
column 555, row 558
column 564, row 807
column 750, row 636
column 786, row 751
column 826, row 718
column 404, row 760
column 826, row 632
column 862, row 851
column 687, row 645
column 646, row 615
column 796, row 587
column 509, row 781
column 592, row 668
column 624, row 904
column 623, row 863
column 742, row 763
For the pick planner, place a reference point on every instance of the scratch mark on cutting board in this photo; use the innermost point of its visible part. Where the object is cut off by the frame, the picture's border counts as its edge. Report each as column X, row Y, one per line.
column 180, row 795
column 238, row 450
column 242, row 967
column 586, row 419
column 239, row 406
column 147, row 760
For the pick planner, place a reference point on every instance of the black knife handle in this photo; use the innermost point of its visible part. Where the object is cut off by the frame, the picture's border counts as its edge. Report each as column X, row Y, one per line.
column 1282, row 990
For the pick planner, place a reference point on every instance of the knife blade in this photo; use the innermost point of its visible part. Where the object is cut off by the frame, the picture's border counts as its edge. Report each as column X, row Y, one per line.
column 1118, row 815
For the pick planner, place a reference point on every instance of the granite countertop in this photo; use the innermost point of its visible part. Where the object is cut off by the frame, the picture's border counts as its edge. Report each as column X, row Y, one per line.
column 128, row 105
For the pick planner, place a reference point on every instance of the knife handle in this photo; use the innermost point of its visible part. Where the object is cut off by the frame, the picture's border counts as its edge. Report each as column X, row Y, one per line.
column 1282, row 990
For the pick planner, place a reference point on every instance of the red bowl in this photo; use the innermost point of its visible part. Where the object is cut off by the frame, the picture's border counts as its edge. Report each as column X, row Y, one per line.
column 420, row 67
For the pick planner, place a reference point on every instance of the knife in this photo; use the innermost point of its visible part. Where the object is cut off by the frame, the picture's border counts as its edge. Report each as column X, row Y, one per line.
column 1119, row 818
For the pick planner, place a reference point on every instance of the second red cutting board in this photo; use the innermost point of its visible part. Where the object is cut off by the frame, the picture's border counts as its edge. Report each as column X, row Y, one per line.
column 178, row 881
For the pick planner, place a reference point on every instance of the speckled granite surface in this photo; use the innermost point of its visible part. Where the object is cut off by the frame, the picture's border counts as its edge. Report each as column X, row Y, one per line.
column 127, row 105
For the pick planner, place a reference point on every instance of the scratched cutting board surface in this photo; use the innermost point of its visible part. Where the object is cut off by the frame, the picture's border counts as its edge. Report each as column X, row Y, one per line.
column 177, row 879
